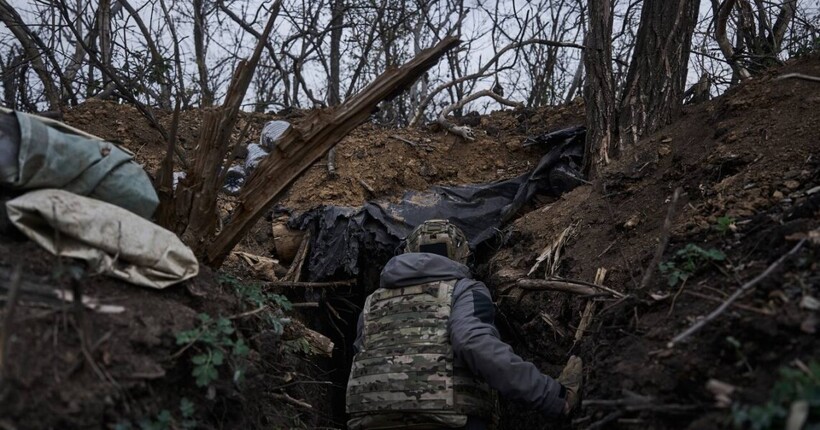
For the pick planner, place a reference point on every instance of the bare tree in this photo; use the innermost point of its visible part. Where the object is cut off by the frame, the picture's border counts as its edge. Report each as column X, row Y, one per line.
column 599, row 92
column 34, row 53
column 201, row 51
column 655, row 84
column 337, row 9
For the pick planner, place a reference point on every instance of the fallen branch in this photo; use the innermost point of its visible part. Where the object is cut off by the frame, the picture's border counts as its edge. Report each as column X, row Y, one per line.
column 603, row 422
column 798, row 76
column 589, row 309
column 295, row 270
column 291, row 400
column 664, row 240
column 765, row 312
column 290, row 284
column 552, row 285
column 464, row 131
column 305, row 305
column 746, row 287
column 317, row 343
column 401, row 139
column 591, row 285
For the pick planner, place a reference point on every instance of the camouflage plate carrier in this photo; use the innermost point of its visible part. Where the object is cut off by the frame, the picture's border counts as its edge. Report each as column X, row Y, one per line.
column 405, row 376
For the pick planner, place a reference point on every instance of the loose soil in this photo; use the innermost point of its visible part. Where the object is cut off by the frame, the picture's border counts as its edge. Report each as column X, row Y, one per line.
column 750, row 156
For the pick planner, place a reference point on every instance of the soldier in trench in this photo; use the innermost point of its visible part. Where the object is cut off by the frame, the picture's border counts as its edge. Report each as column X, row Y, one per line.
column 428, row 355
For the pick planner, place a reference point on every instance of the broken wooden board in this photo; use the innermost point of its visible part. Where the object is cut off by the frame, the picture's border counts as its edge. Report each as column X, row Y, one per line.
column 305, row 143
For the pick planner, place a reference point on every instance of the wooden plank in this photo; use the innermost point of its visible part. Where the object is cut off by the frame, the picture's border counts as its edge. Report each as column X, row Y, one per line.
column 305, row 143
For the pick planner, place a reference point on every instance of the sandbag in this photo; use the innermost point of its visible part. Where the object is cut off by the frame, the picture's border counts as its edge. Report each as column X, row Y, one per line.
column 112, row 240
column 50, row 155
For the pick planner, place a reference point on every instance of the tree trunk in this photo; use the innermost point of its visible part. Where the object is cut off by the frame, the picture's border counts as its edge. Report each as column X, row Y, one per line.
column 104, row 29
column 200, row 51
column 15, row 23
column 657, row 75
column 599, row 92
column 10, row 75
column 334, row 86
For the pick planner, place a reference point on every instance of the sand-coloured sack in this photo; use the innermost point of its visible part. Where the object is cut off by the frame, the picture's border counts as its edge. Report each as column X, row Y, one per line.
column 112, row 240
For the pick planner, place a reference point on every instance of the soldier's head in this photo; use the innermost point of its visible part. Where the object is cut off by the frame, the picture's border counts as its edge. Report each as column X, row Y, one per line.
column 439, row 236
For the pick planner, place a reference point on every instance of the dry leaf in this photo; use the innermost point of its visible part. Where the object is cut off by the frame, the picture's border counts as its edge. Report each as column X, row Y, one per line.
column 810, row 303
column 722, row 391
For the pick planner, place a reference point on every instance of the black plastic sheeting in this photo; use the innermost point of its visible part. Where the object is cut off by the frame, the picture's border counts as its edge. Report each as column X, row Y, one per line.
column 343, row 238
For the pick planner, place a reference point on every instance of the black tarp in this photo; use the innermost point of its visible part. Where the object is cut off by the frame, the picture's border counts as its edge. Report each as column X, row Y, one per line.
column 343, row 238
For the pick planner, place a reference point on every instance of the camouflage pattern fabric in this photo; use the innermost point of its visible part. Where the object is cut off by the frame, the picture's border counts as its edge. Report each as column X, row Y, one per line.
column 440, row 237
column 405, row 376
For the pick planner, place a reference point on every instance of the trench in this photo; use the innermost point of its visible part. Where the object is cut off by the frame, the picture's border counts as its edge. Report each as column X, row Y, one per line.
column 343, row 333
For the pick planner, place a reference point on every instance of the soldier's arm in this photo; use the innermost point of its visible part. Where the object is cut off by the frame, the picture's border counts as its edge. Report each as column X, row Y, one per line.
column 359, row 343
column 477, row 343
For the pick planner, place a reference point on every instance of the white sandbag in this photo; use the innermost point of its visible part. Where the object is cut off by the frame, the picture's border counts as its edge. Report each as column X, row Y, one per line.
column 112, row 240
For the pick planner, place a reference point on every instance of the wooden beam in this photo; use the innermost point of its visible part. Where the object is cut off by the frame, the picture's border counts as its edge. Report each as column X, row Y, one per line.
column 305, row 143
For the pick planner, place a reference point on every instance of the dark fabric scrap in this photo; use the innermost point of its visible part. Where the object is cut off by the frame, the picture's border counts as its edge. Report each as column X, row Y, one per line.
column 343, row 237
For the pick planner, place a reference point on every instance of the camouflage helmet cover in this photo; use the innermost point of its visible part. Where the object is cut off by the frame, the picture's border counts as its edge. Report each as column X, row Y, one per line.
column 439, row 236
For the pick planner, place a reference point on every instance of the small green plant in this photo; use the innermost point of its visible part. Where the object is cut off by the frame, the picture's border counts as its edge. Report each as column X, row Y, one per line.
column 793, row 385
column 737, row 347
column 255, row 296
column 215, row 339
column 165, row 420
column 725, row 224
column 299, row 345
column 686, row 261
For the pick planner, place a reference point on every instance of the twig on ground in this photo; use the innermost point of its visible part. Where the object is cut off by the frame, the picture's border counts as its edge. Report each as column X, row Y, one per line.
column 81, row 326
column 401, row 139
column 305, row 305
column 607, row 249
column 798, row 76
column 589, row 309
column 289, row 284
column 566, row 285
column 617, row 302
column 590, row 284
column 675, row 298
column 551, row 285
column 746, row 287
column 605, row 420
column 104, row 338
column 664, row 240
column 296, row 402
column 295, row 269
column 556, row 328
column 765, row 312
column 8, row 321
column 249, row 313
column 366, row 186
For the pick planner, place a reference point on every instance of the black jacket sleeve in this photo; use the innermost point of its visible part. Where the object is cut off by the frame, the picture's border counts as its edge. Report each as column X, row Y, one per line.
column 477, row 344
